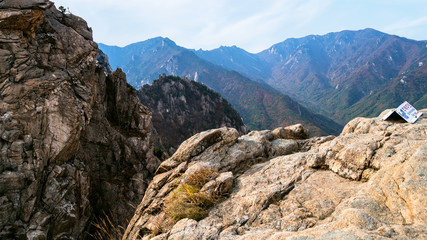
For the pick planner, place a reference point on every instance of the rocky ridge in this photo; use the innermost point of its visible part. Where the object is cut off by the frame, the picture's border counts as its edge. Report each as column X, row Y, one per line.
column 182, row 108
column 367, row 183
column 75, row 143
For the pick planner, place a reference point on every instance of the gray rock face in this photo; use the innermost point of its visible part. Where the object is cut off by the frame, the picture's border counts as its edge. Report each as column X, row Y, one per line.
column 182, row 108
column 69, row 135
column 117, row 149
column 367, row 183
column 102, row 59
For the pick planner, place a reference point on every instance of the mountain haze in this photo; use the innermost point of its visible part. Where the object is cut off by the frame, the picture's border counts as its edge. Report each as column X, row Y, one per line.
column 343, row 74
column 260, row 106
column 237, row 59
column 152, row 57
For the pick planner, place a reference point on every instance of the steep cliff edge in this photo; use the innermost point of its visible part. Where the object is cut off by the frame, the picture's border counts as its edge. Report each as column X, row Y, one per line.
column 74, row 142
column 367, row 183
column 182, row 108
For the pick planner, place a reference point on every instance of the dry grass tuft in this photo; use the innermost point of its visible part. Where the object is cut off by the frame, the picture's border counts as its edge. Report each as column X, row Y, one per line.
column 186, row 201
column 106, row 229
column 200, row 177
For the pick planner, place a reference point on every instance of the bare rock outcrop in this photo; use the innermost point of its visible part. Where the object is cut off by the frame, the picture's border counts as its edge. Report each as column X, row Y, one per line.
column 219, row 150
column 367, row 183
column 73, row 142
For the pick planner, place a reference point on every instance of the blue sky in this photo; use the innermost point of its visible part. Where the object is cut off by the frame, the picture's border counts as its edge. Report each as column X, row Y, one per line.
column 253, row 25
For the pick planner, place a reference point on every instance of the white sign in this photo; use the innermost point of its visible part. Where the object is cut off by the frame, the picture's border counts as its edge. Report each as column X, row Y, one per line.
column 406, row 111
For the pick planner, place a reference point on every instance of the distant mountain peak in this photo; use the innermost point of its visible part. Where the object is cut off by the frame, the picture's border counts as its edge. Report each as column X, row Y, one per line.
column 372, row 30
column 165, row 40
column 229, row 47
column 162, row 41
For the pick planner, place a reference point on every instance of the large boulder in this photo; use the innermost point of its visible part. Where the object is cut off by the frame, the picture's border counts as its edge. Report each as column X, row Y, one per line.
column 217, row 150
column 367, row 183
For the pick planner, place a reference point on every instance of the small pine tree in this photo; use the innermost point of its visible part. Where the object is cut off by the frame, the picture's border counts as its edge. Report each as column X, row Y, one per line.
column 62, row 9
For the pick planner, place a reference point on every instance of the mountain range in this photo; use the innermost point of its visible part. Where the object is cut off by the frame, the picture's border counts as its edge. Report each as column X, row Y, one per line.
column 260, row 106
column 340, row 75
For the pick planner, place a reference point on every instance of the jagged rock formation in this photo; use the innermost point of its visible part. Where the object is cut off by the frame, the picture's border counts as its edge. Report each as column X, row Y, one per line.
column 182, row 108
column 74, row 142
column 367, row 183
column 102, row 59
column 117, row 149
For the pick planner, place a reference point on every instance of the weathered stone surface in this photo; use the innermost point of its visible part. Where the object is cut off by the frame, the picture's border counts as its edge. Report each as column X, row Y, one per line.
column 367, row 183
column 222, row 184
column 197, row 144
column 102, row 59
column 291, row 132
column 219, row 150
column 74, row 143
column 23, row 4
column 117, row 149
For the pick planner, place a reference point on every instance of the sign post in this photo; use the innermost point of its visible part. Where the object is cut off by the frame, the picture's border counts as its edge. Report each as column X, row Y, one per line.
column 406, row 111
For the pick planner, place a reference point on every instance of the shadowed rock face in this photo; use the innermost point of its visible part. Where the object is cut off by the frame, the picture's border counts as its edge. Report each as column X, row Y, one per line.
column 182, row 108
column 367, row 183
column 73, row 142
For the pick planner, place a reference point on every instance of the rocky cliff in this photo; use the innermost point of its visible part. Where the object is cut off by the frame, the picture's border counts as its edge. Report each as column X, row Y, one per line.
column 367, row 183
column 182, row 108
column 75, row 143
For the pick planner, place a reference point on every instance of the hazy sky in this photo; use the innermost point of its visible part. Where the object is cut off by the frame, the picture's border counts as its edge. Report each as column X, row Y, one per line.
column 253, row 25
